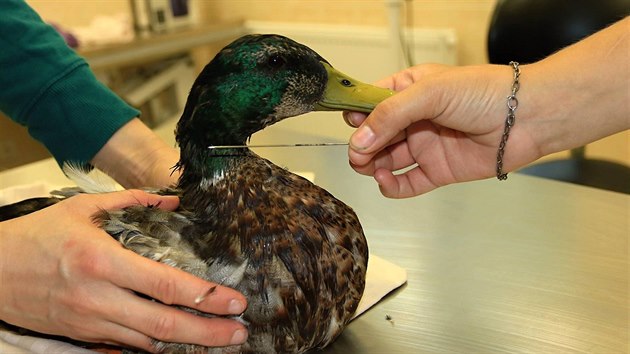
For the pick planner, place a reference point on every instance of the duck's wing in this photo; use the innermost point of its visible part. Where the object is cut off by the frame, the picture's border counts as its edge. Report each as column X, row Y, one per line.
column 326, row 238
column 153, row 233
column 25, row 207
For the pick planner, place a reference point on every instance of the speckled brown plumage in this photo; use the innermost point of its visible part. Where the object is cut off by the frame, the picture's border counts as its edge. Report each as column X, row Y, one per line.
column 295, row 251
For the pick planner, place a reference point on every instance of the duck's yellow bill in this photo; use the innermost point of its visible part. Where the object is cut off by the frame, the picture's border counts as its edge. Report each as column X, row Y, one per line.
column 344, row 93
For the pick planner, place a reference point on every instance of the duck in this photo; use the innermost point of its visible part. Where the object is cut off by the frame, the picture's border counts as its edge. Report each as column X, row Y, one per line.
column 295, row 251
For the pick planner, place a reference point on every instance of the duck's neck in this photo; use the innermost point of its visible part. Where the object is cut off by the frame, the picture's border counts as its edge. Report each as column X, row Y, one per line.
column 213, row 117
column 204, row 169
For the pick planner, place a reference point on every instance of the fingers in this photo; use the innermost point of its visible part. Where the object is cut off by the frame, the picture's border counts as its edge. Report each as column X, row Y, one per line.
column 171, row 286
column 117, row 200
column 393, row 157
column 418, row 99
column 174, row 286
column 390, row 118
column 169, row 324
column 354, row 119
column 396, row 82
column 409, row 184
column 112, row 333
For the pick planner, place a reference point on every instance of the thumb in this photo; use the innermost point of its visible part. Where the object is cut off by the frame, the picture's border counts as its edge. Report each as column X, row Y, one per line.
column 391, row 117
column 117, row 200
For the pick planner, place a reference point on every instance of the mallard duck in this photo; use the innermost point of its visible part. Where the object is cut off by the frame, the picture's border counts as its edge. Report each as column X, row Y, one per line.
column 296, row 252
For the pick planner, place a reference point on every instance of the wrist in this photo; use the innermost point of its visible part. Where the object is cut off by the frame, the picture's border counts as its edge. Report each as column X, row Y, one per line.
column 157, row 166
column 512, row 105
column 135, row 157
column 579, row 94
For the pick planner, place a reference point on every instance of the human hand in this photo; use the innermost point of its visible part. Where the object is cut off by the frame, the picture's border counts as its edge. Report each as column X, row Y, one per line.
column 63, row 275
column 445, row 124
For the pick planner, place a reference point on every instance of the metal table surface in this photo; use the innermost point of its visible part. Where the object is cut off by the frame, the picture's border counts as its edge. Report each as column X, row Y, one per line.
column 528, row 265
column 524, row 265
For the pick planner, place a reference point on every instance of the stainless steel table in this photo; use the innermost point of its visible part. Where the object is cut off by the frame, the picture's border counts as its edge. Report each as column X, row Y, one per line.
column 525, row 265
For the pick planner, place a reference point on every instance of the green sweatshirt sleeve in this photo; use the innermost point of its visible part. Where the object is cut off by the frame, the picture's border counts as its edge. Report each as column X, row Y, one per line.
column 47, row 87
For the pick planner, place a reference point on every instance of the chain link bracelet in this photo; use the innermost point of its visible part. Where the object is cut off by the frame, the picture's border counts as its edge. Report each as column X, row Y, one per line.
column 512, row 104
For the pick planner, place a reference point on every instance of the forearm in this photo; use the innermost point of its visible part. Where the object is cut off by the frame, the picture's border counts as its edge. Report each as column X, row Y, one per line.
column 135, row 157
column 579, row 94
column 48, row 88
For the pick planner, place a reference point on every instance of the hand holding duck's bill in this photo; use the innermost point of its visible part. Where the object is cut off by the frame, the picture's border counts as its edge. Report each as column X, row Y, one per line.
column 345, row 93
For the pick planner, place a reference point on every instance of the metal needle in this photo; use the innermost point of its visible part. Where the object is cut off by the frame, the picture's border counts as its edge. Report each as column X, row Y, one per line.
column 273, row 145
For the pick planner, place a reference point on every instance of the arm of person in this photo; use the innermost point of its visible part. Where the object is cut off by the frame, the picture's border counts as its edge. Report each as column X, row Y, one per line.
column 583, row 93
column 52, row 91
column 135, row 157
column 447, row 122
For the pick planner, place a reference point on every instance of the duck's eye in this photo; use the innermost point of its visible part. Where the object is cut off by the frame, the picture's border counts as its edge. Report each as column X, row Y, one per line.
column 346, row 82
column 276, row 61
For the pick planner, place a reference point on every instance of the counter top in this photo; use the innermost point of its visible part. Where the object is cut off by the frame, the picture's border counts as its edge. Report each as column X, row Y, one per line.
column 524, row 265
column 158, row 45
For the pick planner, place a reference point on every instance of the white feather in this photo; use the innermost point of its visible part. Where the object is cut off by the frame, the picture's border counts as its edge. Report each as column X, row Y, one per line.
column 94, row 181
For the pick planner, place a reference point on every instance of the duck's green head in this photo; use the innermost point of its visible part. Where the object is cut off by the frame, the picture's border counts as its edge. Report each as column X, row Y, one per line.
column 258, row 80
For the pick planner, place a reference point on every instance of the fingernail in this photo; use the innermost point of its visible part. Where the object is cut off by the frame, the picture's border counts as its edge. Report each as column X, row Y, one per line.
column 239, row 337
column 363, row 138
column 346, row 118
column 236, row 307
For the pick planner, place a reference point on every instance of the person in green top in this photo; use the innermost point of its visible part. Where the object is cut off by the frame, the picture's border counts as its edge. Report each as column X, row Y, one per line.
column 61, row 274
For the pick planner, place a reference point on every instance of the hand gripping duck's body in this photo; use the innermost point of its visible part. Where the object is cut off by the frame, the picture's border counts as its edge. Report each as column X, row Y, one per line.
column 296, row 252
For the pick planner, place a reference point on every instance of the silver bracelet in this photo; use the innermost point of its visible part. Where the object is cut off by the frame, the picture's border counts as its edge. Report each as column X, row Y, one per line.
column 512, row 104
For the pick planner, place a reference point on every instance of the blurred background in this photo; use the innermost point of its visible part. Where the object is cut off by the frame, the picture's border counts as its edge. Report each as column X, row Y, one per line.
column 149, row 51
